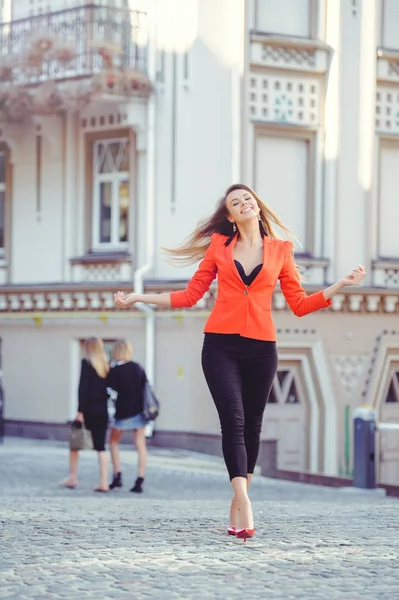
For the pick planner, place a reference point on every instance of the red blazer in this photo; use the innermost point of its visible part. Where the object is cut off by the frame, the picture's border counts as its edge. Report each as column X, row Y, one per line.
column 242, row 309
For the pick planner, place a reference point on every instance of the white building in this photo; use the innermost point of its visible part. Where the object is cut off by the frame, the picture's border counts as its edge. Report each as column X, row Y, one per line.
column 122, row 125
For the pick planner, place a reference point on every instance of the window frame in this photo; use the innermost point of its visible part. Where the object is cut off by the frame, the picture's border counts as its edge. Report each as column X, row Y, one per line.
column 314, row 8
column 308, row 136
column 115, row 178
column 383, row 141
column 90, row 233
column 382, row 15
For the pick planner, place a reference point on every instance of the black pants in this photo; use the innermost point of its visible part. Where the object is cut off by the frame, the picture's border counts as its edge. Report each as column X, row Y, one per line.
column 97, row 425
column 239, row 372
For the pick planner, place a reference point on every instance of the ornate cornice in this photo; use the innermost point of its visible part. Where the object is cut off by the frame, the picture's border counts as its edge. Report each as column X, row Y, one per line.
column 98, row 298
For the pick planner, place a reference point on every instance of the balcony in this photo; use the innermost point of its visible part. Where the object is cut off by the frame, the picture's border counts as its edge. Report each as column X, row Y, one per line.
column 41, row 300
column 62, row 60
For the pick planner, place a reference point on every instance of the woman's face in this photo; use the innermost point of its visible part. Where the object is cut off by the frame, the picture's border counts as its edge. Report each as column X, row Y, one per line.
column 241, row 206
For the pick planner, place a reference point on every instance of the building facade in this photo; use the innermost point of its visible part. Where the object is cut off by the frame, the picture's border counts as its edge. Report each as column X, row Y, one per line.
column 121, row 126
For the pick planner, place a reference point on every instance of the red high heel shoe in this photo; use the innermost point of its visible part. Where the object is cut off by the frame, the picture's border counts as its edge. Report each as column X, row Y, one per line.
column 245, row 533
column 231, row 530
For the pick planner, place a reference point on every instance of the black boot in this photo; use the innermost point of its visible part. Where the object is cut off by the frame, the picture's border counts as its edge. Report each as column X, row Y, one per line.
column 116, row 482
column 137, row 486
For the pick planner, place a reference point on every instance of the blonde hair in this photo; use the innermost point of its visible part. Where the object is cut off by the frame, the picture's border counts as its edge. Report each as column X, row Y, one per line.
column 96, row 355
column 122, row 350
column 195, row 245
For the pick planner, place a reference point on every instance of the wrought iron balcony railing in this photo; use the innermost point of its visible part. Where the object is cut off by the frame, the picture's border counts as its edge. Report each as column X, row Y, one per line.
column 73, row 43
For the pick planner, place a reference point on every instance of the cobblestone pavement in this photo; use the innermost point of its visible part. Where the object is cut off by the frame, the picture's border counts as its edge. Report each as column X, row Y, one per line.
column 171, row 543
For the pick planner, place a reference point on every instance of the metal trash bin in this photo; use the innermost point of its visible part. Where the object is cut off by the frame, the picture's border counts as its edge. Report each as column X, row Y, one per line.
column 364, row 470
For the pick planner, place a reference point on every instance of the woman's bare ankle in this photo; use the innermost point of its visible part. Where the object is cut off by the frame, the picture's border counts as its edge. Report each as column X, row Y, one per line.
column 244, row 513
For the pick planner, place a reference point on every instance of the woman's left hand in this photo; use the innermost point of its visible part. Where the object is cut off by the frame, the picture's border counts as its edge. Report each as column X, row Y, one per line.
column 355, row 277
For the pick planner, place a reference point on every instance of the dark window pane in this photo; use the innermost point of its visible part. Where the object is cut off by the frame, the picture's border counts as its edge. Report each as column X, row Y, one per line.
column 282, row 375
column 391, row 396
column 273, row 398
column 105, row 211
column 293, row 396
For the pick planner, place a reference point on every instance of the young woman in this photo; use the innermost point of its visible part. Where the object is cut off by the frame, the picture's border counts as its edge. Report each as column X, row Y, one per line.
column 93, row 410
column 127, row 379
column 239, row 358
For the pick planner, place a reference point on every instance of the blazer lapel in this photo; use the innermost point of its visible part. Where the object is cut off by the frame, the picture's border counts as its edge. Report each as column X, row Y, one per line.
column 230, row 259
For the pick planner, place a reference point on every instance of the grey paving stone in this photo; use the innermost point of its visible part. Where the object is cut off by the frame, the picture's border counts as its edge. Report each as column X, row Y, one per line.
column 311, row 543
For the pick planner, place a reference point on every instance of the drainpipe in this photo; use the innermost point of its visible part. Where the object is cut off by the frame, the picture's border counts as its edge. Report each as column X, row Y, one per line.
column 138, row 286
column 138, row 277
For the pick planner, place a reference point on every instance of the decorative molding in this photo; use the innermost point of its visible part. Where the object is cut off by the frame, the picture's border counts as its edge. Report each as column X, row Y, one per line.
column 104, row 121
column 282, row 52
column 98, row 296
column 386, row 273
column 284, row 99
column 350, row 370
column 387, row 339
column 314, row 270
column 102, row 271
column 387, row 65
column 387, row 109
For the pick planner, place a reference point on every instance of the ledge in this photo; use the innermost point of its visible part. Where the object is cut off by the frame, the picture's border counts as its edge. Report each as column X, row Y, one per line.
column 95, row 258
column 330, row 481
column 288, row 41
column 40, row 301
column 385, row 263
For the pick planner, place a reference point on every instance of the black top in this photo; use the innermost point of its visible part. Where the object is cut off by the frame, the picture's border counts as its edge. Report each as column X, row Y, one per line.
column 93, row 397
column 247, row 279
column 128, row 380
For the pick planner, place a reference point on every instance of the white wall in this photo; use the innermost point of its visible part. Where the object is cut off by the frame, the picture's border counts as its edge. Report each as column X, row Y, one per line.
column 41, row 367
column 203, row 133
column 36, row 235
column 350, row 206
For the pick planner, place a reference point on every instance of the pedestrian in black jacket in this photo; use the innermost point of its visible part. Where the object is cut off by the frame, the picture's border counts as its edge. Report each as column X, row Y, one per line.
column 93, row 409
column 127, row 379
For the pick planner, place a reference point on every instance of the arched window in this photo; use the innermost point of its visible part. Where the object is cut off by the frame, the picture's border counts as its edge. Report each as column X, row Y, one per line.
column 284, row 389
column 393, row 390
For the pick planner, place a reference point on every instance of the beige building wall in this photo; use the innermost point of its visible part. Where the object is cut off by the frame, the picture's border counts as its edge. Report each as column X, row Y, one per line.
column 300, row 102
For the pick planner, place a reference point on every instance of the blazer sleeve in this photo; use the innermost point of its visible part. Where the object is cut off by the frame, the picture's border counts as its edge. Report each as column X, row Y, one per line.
column 300, row 303
column 83, row 387
column 199, row 283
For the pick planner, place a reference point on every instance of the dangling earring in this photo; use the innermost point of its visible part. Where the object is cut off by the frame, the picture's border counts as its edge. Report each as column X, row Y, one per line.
column 234, row 227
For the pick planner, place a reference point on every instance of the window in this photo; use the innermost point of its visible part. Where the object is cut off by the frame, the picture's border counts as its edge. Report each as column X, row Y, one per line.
column 388, row 205
column 286, row 17
column 390, row 24
column 111, row 194
column 282, row 180
column 284, row 389
column 393, row 391
column 2, row 198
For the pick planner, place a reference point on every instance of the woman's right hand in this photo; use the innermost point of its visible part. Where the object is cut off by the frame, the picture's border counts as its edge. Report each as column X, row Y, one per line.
column 124, row 300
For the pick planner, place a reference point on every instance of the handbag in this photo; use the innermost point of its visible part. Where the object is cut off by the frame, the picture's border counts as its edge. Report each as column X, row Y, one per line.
column 79, row 437
column 150, row 403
